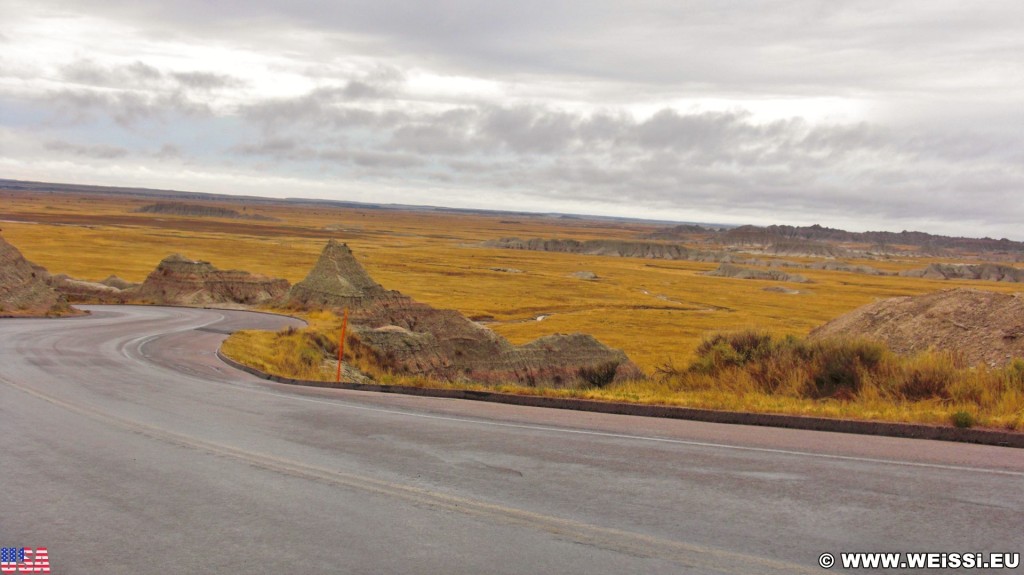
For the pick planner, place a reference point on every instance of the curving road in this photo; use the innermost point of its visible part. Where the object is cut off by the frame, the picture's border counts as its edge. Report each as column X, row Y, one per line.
column 129, row 448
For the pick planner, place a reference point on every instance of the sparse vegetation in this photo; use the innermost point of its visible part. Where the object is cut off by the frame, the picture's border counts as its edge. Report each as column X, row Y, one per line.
column 746, row 371
column 659, row 312
column 962, row 419
column 860, row 375
column 300, row 353
column 599, row 376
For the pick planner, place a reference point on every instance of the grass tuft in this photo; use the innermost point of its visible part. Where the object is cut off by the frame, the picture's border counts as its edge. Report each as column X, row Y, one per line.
column 962, row 419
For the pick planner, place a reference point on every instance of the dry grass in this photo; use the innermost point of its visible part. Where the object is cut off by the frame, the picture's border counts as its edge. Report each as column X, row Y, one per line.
column 742, row 371
column 656, row 311
column 855, row 378
column 299, row 353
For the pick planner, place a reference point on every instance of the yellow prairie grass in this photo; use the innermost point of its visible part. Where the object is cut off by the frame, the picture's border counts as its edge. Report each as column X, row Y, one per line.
column 659, row 312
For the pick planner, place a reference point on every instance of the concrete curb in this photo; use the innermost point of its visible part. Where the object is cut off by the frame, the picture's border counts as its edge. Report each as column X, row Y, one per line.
column 907, row 430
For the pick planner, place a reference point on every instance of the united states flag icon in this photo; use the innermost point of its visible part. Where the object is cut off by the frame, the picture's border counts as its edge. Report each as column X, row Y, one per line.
column 24, row 560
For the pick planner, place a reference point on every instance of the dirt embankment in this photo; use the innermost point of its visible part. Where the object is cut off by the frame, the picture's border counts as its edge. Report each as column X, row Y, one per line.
column 24, row 291
column 396, row 334
column 985, row 327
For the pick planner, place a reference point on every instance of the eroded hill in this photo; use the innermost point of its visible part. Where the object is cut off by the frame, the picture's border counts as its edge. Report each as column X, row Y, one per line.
column 392, row 333
column 178, row 280
column 24, row 291
column 985, row 327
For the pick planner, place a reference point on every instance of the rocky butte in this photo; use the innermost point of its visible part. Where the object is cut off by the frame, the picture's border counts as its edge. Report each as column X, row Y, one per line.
column 178, row 280
column 392, row 333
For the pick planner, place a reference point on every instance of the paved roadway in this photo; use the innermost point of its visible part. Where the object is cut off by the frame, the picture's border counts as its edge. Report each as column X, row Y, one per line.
column 127, row 447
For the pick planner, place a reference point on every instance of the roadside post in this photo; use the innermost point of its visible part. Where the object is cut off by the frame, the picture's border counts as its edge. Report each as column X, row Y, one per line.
column 341, row 343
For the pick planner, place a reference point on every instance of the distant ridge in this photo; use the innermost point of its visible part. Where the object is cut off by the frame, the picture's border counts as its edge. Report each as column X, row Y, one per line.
column 721, row 233
column 151, row 193
column 201, row 211
column 782, row 235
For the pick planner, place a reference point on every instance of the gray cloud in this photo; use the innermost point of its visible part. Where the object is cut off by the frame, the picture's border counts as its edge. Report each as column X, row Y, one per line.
column 169, row 152
column 323, row 108
column 445, row 135
column 97, row 151
column 206, row 80
column 526, row 129
column 777, row 46
column 386, row 160
column 124, row 108
column 88, row 72
column 711, row 160
column 283, row 147
column 141, row 76
column 935, row 138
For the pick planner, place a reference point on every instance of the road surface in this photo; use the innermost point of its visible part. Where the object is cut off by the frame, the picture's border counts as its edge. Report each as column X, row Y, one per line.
column 129, row 448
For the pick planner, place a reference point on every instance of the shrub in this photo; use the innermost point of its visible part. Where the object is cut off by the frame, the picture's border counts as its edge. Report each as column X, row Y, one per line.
column 929, row 376
column 839, row 367
column 732, row 350
column 600, row 375
column 962, row 419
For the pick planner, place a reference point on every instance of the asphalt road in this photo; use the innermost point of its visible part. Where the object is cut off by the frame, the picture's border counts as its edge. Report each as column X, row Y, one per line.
column 127, row 447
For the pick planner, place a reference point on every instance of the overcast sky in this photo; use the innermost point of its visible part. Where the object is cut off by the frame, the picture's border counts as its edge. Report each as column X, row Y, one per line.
column 862, row 115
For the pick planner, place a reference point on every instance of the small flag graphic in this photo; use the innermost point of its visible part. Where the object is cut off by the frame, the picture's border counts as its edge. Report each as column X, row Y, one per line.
column 24, row 560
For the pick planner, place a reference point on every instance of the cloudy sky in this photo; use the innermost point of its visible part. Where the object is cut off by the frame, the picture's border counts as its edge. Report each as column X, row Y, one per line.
column 861, row 114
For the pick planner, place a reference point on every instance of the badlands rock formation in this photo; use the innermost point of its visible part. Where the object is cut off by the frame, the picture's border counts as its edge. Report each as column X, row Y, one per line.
column 985, row 327
column 734, row 271
column 178, row 280
column 396, row 334
column 23, row 288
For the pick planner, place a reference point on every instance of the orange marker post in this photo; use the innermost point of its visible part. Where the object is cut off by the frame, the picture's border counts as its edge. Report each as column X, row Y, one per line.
column 341, row 343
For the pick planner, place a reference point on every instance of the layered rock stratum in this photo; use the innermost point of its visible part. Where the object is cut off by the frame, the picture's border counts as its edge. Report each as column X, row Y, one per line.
column 336, row 280
column 178, row 280
column 81, row 291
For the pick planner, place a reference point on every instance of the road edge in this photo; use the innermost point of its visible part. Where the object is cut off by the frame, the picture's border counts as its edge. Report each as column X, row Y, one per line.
column 904, row 430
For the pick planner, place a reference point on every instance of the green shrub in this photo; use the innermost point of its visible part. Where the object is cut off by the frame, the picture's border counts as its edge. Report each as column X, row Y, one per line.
column 962, row 419
column 839, row 367
column 732, row 350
